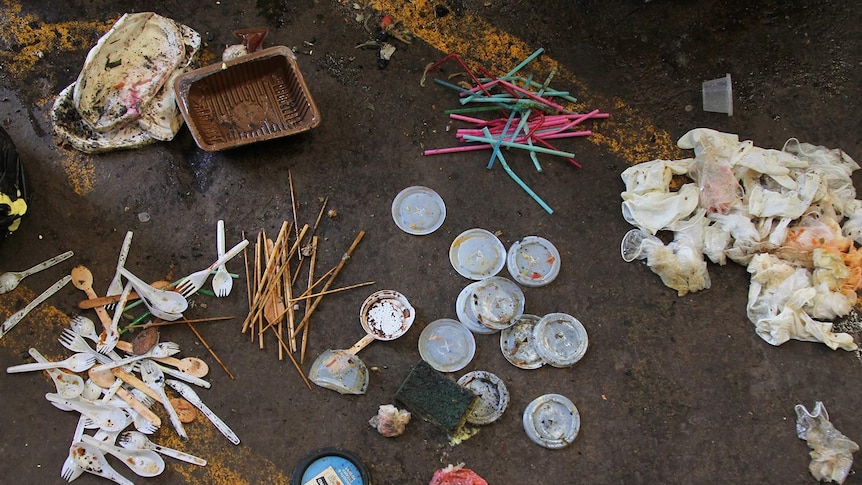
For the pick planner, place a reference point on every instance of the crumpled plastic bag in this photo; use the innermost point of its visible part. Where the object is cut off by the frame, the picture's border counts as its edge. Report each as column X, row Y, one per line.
column 719, row 189
column 654, row 211
column 389, row 420
column 456, row 475
column 831, row 452
column 124, row 97
column 778, row 296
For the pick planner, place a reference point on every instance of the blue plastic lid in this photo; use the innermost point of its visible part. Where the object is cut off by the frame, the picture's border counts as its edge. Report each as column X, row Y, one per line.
column 331, row 466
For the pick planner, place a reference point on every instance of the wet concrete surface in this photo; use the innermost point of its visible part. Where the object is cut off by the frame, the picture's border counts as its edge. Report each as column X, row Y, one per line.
column 672, row 389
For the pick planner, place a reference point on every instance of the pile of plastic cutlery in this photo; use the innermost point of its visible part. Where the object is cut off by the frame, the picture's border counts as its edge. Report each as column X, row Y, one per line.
column 114, row 403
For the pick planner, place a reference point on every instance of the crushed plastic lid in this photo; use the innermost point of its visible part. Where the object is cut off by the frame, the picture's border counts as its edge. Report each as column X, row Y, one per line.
column 497, row 302
column 560, row 339
column 493, row 396
column 477, row 254
column 340, row 371
column 533, row 261
column 447, row 345
column 418, row 210
column 464, row 311
column 516, row 343
column 552, row 421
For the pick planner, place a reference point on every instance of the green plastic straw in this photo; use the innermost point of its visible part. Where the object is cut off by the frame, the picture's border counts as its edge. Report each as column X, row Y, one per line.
column 474, row 109
column 518, row 180
column 520, row 145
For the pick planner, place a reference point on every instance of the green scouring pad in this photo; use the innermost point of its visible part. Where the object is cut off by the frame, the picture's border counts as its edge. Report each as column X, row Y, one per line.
column 431, row 395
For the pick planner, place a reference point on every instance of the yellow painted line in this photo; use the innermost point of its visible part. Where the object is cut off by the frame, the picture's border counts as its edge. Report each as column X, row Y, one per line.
column 227, row 464
column 627, row 133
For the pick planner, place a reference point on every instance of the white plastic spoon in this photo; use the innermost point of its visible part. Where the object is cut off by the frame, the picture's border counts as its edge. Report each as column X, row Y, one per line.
column 92, row 460
column 145, row 463
column 105, row 416
column 134, row 439
column 68, row 386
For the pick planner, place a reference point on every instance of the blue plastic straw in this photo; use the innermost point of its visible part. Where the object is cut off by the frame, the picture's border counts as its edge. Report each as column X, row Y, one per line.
column 518, row 180
column 496, row 145
column 526, row 61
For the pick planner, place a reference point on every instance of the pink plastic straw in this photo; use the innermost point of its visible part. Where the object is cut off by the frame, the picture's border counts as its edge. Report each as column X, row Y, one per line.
column 485, row 146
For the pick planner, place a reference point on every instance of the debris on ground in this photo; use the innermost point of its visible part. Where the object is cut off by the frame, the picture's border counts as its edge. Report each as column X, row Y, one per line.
column 124, row 96
column 389, row 420
column 831, row 452
column 790, row 216
column 534, row 116
column 456, row 475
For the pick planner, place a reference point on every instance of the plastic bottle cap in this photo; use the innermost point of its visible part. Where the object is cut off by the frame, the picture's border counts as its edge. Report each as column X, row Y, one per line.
column 418, row 210
column 493, row 396
column 447, row 345
column 560, row 339
column 497, row 302
column 516, row 343
column 552, row 421
column 464, row 311
column 477, row 254
column 533, row 261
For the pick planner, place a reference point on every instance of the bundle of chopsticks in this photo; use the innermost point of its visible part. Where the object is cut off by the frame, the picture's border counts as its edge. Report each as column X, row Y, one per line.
column 276, row 307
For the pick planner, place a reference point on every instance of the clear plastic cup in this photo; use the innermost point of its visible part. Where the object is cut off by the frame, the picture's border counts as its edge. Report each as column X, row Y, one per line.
column 718, row 96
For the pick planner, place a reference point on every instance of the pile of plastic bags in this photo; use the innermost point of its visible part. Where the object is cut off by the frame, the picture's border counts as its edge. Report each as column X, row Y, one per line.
column 790, row 216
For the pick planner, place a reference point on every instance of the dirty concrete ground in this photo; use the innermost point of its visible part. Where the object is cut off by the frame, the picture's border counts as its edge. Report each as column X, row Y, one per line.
column 672, row 389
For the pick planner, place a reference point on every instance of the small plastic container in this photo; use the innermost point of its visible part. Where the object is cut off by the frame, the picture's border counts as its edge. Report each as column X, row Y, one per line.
column 447, row 345
column 560, row 339
column 493, row 396
column 516, row 343
column 418, row 210
column 477, row 254
column 552, row 421
column 718, row 95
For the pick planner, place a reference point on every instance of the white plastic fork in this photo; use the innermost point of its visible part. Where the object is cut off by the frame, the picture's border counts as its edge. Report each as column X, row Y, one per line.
column 222, row 281
column 195, row 281
column 71, row 470
column 116, row 285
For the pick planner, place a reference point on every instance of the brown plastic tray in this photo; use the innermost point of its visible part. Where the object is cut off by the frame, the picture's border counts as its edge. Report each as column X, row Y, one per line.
column 256, row 97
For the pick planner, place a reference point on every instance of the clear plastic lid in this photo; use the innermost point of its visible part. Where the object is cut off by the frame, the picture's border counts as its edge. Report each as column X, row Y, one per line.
column 493, row 396
column 516, row 343
column 560, row 339
column 477, row 254
column 497, row 302
column 418, row 210
column 447, row 345
column 552, row 421
column 464, row 311
column 533, row 261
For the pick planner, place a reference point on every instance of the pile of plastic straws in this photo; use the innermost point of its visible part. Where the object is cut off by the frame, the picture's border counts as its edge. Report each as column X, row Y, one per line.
column 531, row 115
